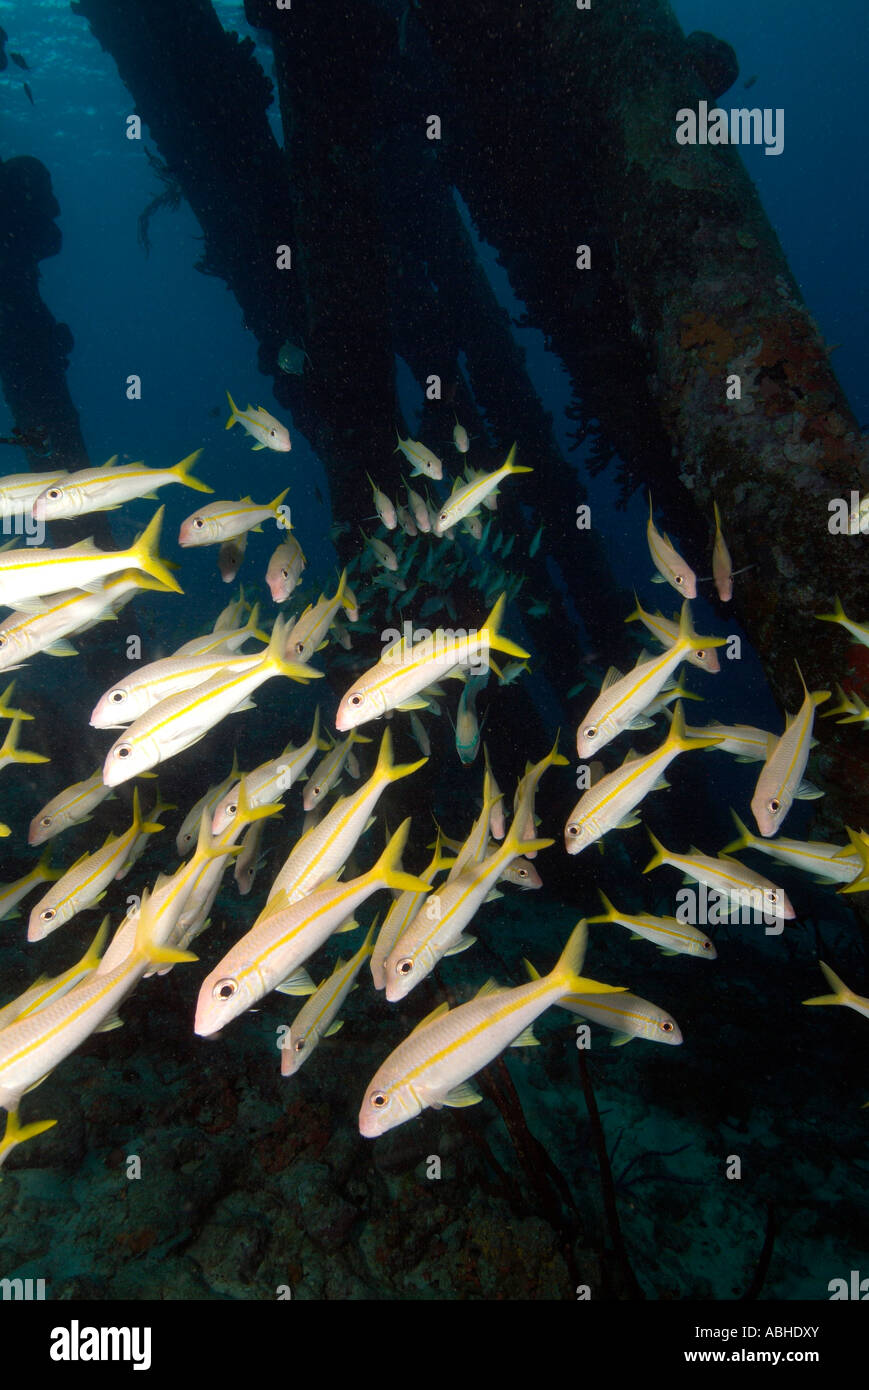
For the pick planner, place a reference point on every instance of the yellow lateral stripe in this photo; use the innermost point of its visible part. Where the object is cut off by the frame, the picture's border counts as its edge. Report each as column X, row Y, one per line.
column 632, row 772
column 195, row 701
column 57, row 1029
column 113, row 849
column 280, row 942
column 460, row 901
column 543, row 986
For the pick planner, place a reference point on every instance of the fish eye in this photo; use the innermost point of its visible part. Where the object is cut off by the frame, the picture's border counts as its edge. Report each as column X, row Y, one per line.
column 573, row 830
column 300, row 647
column 701, row 655
column 48, row 915
column 523, row 873
column 404, row 966
column 45, row 822
column 118, row 697
column 300, row 1044
column 54, row 493
column 231, row 810
column 774, row 805
column 197, row 523
column 707, row 945
column 285, row 574
column 356, row 700
column 442, row 517
column 225, row 989
column 666, row 1026
column 2, row 640
column 123, row 750
column 590, row 733
column 315, row 791
column 273, row 434
column 379, row 1099
column 679, row 578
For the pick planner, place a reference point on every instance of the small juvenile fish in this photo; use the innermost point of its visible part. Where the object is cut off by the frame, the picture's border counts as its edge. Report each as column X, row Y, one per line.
column 268, row 432
column 285, row 569
column 230, row 556
column 85, row 883
column 666, row 632
column 433, row 1065
column 382, row 505
column 674, row 938
column 103, row 489
column 223, row 521
column 419, row 509
column 841, row 994
column 824, row 860
column 466, row 499
column 421, row 459
column 383, row 553
column 668, row 562
column 627, row 1015
column 460, row 437
column 318, row 1016
column 722, row 566
column 248, row 861
column 72, row 806
column 11, row 894
column 781, row 778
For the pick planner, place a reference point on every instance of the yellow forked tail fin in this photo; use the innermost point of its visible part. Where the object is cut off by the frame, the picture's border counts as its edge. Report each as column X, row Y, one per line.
column 143, row 553
column 11, row 750
column 184, row 473
column 493, row 638
column 570, row 962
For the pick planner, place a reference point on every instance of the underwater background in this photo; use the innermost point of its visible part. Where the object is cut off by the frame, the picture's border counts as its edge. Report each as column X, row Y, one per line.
column 251, row 1183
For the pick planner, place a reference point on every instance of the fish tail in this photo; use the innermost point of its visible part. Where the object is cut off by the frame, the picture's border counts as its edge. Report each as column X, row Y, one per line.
column 841, row 993
column 147, row 948
column 184, row 473
column 717, row 515
column 689, row 636
column 387, row 868
column 677, row 738
column 817, row 697
column 514, row 842
column 610, row 914
column 276, row 502
column 391, row 771
column 247, row 814
column 567, row 970
column 43, row 867
column 143, row 553
column 274, row 655
column 6, row 710
column 13, row 752
column 251, row 625
column 92, row 956
column 837, row 615
column 493, row 637
column 660, row 855
column 16, row 1134
column 745, row 839
column 637, row 614
column 234, row 415
column 515, row 467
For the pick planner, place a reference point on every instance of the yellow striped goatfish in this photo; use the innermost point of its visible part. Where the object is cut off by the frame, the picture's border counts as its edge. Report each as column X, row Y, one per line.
column 103, row 489
column 407, row 668
column 465, row 500
column 270, row 779
column 11, row 894
column 666, row 631
column 308, row 634
column 44, row 991
column 37, row 570
column 223, row 521
column 439, row 927
column 176, row 723
column 672, row 937
column 623, row 700
column 329, row 770
column 781, row 778
column 433, row 1065
column 285, row 935
column 816, row 857
column 19, row 491
column 324, row 850
column 741, row 885
column 133, row 696
column 421, row 459
column 611, row 802
column 85, row 883
column 43, row 625
column 72, row 806
column 627, row 1016
column 859, row 632
column 668, row 562
column 11, row 753
column 268, row 432
column 33, row 1046
column 317, row 1017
